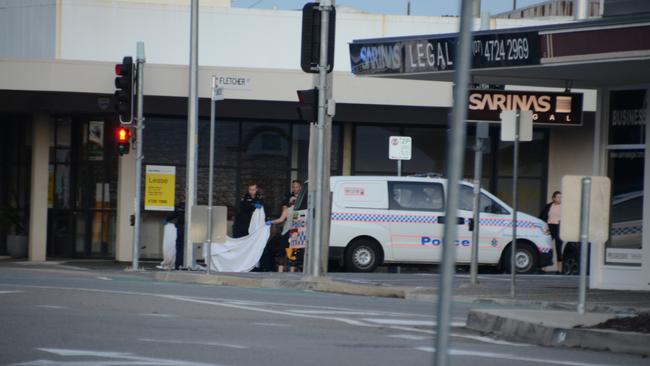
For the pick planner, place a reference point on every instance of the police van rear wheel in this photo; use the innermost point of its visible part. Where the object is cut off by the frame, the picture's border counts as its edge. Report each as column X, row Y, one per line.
column 525, row 259
column 362, row 256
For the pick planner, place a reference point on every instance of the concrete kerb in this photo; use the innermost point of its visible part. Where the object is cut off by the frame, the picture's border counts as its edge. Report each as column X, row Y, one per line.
column 509, row 326
column 400, row 292
column 315, row 284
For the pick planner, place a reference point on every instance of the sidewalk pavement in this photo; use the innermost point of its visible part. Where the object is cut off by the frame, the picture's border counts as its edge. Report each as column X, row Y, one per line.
column 543, row 312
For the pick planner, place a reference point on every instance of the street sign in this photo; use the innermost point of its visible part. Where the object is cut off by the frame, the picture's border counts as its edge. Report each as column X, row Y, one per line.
column 509, row 125
column 160, row 188
column 217, row 93
column 399, row 148
column 598, row 209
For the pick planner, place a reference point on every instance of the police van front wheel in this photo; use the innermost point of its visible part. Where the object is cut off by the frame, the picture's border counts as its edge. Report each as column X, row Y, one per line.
column 363, row 255
column 525, row 259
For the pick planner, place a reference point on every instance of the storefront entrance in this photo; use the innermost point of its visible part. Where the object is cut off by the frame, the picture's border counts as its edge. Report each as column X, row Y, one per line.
column 82, row 188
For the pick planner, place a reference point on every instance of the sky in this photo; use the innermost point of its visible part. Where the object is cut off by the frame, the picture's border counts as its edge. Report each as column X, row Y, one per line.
column 418, row 7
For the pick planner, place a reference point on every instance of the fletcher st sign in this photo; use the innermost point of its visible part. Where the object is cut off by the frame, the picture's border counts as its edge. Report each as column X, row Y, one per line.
column 547, row 108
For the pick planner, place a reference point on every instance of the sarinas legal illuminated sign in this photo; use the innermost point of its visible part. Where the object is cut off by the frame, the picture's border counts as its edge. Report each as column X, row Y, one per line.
column 547, row 108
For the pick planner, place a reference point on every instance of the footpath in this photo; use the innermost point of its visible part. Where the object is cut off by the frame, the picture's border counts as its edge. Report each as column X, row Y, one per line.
column 543, row 311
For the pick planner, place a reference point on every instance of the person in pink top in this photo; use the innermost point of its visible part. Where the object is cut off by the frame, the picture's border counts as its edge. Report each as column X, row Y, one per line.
column 551, row 215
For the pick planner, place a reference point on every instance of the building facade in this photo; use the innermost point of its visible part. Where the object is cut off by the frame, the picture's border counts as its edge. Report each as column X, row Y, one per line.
column 60, row 168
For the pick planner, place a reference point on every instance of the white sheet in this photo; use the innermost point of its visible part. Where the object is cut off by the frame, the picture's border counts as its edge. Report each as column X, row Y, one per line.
column 169, row 246
column 241, row 254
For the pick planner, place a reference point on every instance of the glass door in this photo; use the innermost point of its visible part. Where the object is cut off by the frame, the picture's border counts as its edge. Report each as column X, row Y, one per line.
column 83, row 189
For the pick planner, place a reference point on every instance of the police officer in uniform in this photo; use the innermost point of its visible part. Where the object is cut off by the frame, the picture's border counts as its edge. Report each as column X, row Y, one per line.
column 247, row 205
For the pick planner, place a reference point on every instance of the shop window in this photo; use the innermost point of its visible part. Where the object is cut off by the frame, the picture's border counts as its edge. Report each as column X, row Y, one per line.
column 226, row 143
column 428, row 151
column 371, row 150
column 625, row 167
column 532, row 156
column 265, row 144
column 530, row 192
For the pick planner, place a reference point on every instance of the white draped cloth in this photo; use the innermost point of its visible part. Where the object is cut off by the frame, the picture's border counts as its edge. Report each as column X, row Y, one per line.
column 169, row 246
column 241, row 254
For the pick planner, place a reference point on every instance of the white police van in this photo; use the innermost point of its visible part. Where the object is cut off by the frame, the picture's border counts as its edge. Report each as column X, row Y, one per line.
column 377, row 220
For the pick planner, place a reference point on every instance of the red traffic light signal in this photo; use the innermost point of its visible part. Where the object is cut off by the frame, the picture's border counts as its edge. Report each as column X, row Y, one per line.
column 124, row 90
column 123, row 139
column 308, row 105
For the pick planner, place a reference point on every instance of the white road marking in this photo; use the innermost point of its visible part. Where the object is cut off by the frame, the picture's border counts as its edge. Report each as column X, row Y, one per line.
column 104, row 278
column 409, row 322
column 334, row 312
column 269, row 311
column 490, row 340
column 10, row 292
column 116, row 358
column 272, row 324
column 158, row 315
column 426, row 349
column 52, row 307
column 511, row 357
column 409, row 337
column 200, row 343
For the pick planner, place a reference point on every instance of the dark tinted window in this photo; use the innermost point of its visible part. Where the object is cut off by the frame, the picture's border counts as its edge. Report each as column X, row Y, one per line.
column 487, row 204
column 416, row 196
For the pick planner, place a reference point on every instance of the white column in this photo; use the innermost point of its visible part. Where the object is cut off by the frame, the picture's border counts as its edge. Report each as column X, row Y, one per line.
column 125, row 208
column 39, row 187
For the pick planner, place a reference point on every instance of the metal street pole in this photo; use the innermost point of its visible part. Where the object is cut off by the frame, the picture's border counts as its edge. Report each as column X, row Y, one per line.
column 481, row 132
column 455, row 150
column 584, row 241
column 513, row 247
column 192, row 129
column 138, row 158
column 314, row 257
column 208, row 260
column 399, row 168
column 478, row 168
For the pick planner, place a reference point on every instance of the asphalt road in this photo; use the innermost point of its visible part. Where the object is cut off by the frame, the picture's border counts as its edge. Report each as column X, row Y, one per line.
column 55, row 317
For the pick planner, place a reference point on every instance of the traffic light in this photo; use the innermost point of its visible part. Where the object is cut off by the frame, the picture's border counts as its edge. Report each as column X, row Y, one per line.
column 310, row 43
column 308, row 105
column 124, row 90
column 123, row 139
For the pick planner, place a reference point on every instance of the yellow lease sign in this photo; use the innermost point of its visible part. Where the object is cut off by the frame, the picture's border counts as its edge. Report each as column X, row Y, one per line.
column 160, row 188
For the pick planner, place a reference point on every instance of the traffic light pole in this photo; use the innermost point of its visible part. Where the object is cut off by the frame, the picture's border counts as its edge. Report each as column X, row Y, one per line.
column 138, row 158
column 316, row 244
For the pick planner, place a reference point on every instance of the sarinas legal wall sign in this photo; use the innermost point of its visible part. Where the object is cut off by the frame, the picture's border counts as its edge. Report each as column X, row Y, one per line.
column 548, row 108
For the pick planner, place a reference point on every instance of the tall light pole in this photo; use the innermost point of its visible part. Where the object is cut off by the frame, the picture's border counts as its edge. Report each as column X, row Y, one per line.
column 192, row 129
column 455, row 151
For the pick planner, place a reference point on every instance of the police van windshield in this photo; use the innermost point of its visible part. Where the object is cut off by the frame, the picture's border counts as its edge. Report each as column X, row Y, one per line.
column 301, row 200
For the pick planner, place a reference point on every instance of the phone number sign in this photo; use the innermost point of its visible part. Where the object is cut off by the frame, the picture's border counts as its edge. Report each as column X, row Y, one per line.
column 509, row 49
